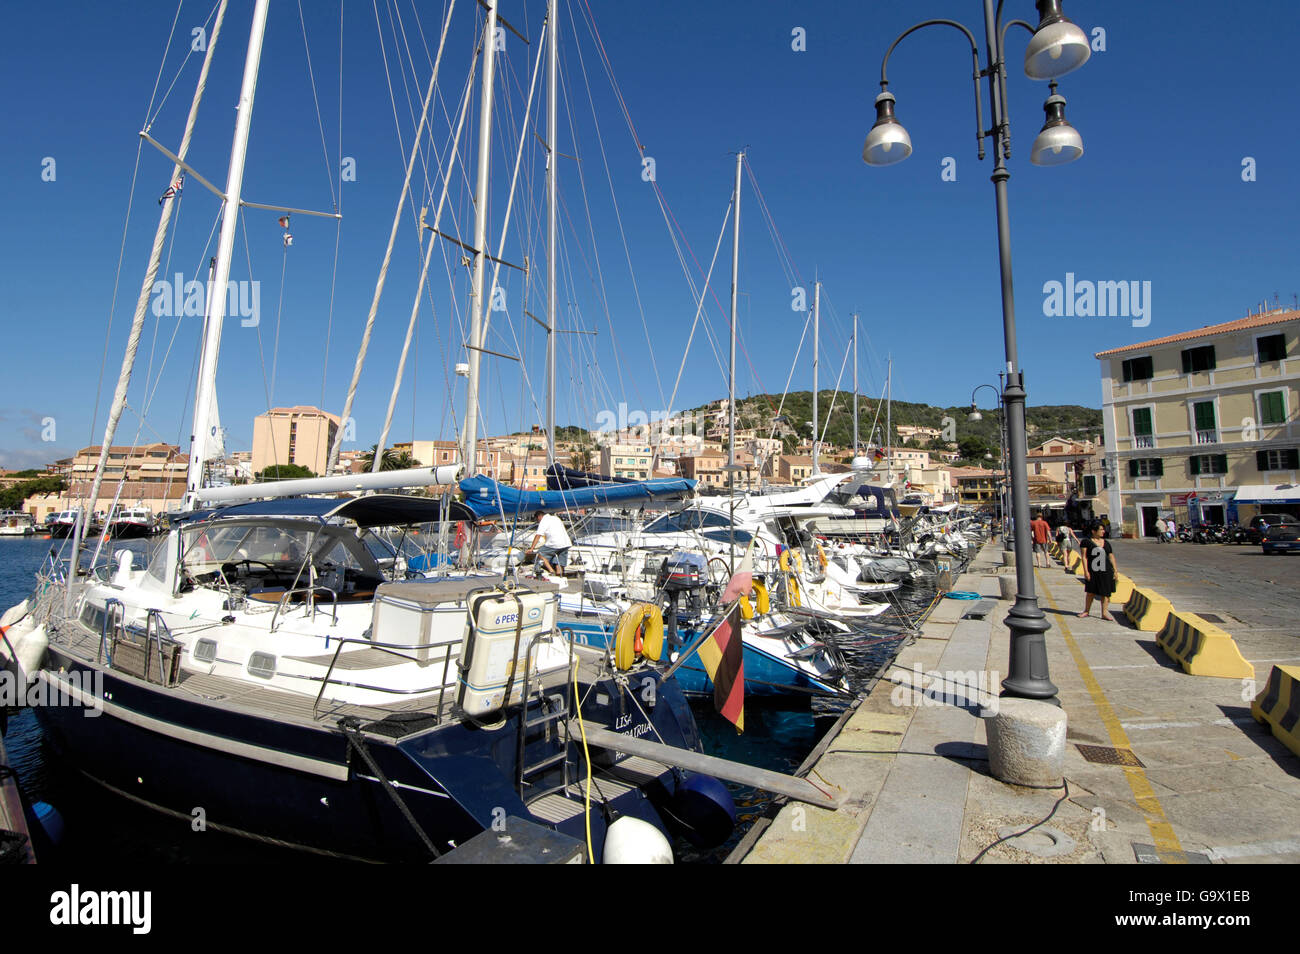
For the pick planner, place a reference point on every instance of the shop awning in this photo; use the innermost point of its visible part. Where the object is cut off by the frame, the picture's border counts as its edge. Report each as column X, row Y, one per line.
column 1268, row 494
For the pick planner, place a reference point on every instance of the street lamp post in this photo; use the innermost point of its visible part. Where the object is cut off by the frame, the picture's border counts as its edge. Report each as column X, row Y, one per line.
column 1001, row 486
column 1057, row 47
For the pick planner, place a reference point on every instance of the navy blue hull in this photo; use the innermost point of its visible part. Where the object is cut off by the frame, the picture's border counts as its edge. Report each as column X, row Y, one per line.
column 455, row 779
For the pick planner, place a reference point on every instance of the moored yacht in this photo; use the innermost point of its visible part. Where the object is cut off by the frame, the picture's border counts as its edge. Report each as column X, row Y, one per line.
column 16, row 523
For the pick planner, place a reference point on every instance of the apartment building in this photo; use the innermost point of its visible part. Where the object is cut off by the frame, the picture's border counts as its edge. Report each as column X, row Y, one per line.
column 294, row 435
column 706, row 469
column 1202, row 425
column 626, row 460
column 975, row 486
column 150, row 475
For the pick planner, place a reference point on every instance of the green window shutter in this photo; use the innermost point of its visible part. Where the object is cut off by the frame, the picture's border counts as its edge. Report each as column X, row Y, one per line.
column 1133, row 468
column 1291, row 459
column 1195, row 464
column 1271, row 409
column 1142, row 421
column 1187, row 362
column 1204, row 413
column 1222, row 460
column 1261, row 460
column 1158, row 466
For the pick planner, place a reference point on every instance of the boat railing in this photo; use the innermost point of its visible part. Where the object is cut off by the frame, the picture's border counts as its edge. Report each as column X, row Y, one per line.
column 310, row 592
column 406, row 651
column 111, row 626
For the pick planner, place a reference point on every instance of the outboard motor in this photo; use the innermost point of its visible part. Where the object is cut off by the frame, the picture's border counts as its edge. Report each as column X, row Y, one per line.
column 682, row 576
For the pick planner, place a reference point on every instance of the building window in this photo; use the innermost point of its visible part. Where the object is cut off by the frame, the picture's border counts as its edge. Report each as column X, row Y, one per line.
column 1198, row 359
column 1271, row 348
column 1286, row 459
column 1207, row 431
column 1138, row 369
column 1146, row 467
column 1204, row 465
column 1143, row 432
column 1272, row 407
column 1090, row 485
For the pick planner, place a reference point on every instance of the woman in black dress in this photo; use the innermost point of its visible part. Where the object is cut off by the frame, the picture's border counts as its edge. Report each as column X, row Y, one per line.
column 1098, row 571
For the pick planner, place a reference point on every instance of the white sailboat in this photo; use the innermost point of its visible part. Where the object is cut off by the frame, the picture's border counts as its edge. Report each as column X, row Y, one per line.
column 272, row 661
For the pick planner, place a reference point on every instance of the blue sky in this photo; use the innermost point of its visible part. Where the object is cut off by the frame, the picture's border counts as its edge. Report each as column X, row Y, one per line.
column 1169, row 111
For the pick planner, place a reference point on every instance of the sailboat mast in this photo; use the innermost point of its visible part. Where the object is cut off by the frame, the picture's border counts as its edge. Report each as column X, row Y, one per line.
column 889, row 420
column 82, row 525
column 855, row 384
column 469, row 434
column 817, row 317
column 735, row 287
column 200, row 438
column 552, row 131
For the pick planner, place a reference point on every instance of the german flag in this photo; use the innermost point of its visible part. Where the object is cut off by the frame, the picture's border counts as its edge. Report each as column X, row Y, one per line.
column 723, row 656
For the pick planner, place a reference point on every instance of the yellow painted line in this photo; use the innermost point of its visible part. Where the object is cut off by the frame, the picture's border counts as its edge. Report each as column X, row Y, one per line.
column 1166, row 842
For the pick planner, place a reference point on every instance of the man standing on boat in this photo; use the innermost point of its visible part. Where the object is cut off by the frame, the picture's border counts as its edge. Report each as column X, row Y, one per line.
column 551, row 544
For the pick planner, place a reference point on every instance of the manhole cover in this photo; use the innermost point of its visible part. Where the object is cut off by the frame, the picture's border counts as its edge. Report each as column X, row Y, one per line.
column 1106, row 755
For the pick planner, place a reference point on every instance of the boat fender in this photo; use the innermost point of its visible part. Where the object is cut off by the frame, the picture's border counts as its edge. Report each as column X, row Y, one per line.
column 13, row 614
column 791, row 560
column 706, row 810
column 631, row 841
column 640, row 632
column 821, row 557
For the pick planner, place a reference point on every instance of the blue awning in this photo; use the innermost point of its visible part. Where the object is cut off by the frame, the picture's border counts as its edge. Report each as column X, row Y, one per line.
column 487, row 497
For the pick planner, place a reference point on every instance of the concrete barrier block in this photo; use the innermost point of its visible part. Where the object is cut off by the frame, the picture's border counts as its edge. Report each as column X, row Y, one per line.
column 1202, row 648
column 1026, row 742
column 1073, row 561
column 1123, row 589
column 1278, row 706
column 1147, row 610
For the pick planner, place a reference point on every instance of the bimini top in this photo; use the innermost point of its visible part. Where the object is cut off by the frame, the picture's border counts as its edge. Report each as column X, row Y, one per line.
column 376, row 510
column 486, row 497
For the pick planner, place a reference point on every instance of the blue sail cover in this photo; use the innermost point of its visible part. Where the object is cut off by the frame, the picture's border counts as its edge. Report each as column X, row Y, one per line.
column 487, row 497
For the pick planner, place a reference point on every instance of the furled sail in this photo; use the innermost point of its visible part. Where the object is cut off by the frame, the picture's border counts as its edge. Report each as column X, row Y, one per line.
column 486, row 497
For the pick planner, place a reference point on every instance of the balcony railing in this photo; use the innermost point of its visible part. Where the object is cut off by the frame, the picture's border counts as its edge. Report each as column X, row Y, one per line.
column 1207, row 437
column 1144, row 440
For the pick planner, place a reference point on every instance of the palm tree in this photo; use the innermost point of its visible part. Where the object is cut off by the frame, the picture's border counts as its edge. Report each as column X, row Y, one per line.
column 391, row 460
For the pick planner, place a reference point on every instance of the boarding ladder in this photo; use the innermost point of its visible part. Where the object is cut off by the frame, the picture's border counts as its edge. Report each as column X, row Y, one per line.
column 544, row 722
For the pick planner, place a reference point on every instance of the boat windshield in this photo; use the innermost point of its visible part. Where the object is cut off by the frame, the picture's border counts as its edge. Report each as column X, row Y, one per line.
column 594, row 523
column 207, row 548
column 687, row 520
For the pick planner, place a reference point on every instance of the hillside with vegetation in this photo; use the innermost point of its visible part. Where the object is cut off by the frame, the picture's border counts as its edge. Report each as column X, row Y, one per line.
column 974, row 439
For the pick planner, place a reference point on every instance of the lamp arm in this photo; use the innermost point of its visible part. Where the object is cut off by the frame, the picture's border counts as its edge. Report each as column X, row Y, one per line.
column 1002, row 75
column 975, row 58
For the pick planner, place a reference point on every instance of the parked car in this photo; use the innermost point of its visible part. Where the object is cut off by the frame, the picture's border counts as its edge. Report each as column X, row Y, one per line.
column 1284, row 538
column 1260, row 522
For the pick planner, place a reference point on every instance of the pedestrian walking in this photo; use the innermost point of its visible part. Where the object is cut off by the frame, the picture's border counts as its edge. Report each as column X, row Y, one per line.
column 1042, row 533
column 1098, row 572
column 1065, row 537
